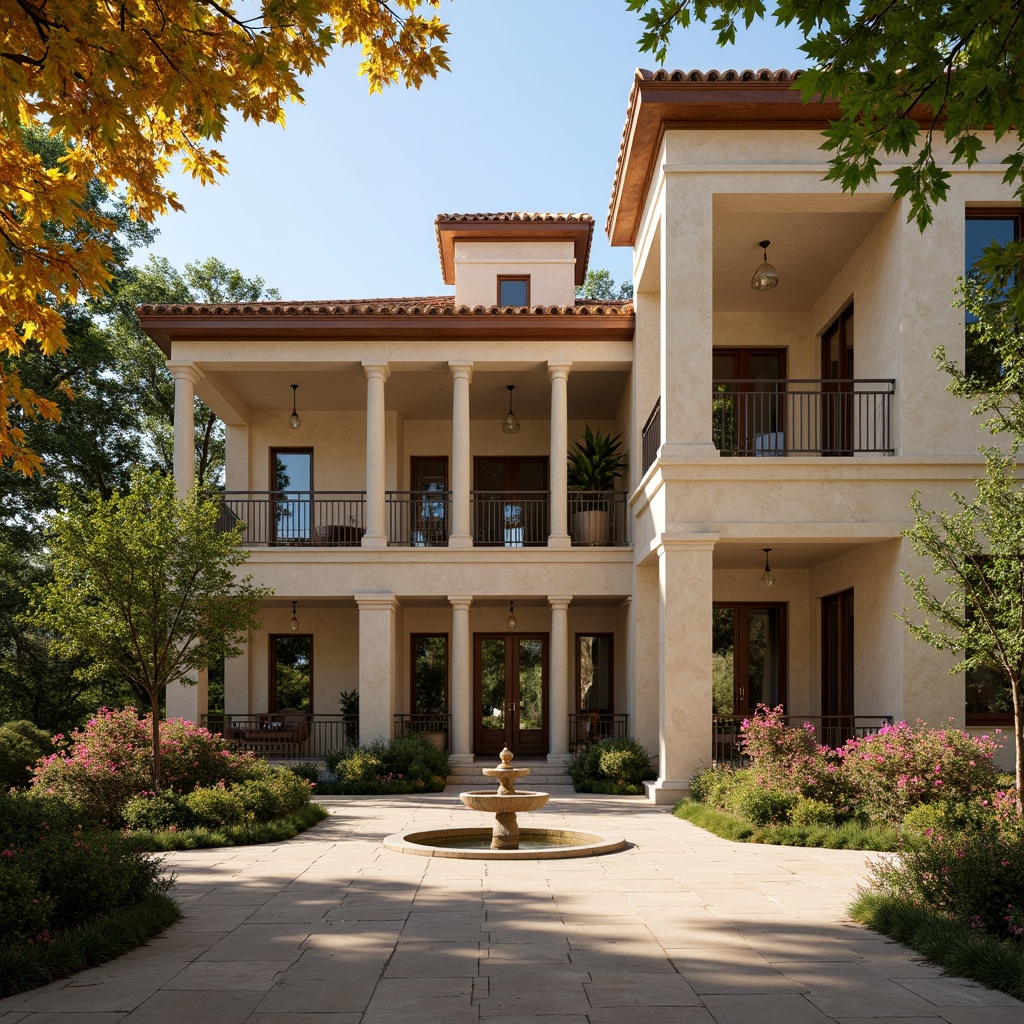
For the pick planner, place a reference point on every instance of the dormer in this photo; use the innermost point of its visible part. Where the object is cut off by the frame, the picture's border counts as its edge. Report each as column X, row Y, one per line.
column 514, row 259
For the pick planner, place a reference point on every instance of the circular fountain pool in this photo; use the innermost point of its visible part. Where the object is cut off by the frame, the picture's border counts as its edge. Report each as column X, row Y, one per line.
column 475, row 844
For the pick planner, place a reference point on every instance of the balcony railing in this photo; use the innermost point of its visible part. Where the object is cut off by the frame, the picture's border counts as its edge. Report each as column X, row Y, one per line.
column 321, row 518
column 284, row 735
column 435, row 727
column 418, row 519
column 829, row 731
column 802, row 416
column 650, row 438
column 587, row 727
column 336, row 519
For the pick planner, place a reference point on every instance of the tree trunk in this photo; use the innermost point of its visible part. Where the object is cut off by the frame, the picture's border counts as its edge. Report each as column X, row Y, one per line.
column 154, row 703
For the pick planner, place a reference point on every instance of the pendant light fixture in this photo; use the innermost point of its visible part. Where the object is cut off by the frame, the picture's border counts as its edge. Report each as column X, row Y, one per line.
column 766, row 277
column 294, row 624
column 294, row 420
column 510, row 424
column 767, row 577
column 511, row 616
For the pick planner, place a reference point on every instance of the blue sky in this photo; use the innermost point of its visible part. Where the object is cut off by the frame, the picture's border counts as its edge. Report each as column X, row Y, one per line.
column 341, row 202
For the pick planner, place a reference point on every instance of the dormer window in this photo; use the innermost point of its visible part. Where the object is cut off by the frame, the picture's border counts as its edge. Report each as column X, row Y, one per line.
column 513, row 291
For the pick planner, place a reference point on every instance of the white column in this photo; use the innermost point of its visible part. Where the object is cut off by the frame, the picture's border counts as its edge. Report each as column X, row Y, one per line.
column 188, row 700
column 558, row 376
column 376, row 535
column 185, row 380
column 644, row 645
column 558, row 690
column 236, row 682
column 684, row 686
column 461, row 661
column 376, row 665
column 462, row 377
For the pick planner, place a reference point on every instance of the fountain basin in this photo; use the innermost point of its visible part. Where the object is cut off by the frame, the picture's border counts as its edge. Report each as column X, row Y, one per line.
column 475, row 844
column 502, row 803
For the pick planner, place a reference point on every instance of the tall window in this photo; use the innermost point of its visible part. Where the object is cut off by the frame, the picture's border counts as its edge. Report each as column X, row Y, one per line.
column 982, row 229
column 291, row 672
column 429, row 673
column 291, row 476
column 513, row 291
column 748, row 657
column 594, row 689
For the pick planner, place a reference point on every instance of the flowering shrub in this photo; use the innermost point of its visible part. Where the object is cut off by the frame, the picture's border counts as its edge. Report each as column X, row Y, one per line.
column 56, row 873
column 969, row 866
column 110, row 760
column 901, row 767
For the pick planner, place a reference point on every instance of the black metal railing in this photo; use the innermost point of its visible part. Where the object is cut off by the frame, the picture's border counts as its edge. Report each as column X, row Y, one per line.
column 587, row 727
column 286, row 734
column 598, row 518
column 511, row 519
column 802, row 416
column 650, row 437
column 829, row 731
column 418, row 519
column 436, row 727
column 318, row 518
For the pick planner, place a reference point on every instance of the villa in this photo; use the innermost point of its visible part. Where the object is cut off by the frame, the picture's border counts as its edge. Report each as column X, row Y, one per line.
column 400, row 464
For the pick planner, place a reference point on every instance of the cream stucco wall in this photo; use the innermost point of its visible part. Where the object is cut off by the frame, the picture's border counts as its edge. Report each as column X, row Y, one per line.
column 551, row 267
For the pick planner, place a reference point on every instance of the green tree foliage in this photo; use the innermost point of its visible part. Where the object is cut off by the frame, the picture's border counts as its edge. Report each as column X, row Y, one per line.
column 142, row 367
column 598, row 284
column 911, row 78
column 144, row 586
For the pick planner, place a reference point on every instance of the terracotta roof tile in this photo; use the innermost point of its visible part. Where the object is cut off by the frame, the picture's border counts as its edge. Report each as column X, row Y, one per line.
column 642, row 76
column 438, row 305
column 516, row 216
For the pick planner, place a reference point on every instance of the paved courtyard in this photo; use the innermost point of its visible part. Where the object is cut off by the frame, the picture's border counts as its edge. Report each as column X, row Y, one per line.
column 682, row 927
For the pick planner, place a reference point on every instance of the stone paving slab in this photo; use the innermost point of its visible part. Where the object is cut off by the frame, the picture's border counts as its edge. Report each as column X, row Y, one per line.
column 679, row 928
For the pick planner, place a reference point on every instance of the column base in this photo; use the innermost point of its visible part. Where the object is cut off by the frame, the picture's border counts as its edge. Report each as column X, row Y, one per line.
column 560, row 759
column 560, row 540
column 666, row 791
column 687, row 452
column 375, row 541
column 454, row 759
column 462, row 541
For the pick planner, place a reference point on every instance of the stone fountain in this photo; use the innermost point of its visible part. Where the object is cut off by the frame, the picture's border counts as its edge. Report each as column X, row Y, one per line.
column 506, row 803
column 504, row 841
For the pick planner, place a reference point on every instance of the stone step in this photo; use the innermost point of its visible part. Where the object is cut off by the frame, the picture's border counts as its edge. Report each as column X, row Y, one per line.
column 470, row 776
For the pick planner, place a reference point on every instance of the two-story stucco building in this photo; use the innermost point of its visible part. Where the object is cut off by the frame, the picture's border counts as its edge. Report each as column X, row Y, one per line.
column 413, row 516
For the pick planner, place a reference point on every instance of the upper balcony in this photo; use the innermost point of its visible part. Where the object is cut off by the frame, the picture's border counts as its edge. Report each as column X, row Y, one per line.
column 421, row 519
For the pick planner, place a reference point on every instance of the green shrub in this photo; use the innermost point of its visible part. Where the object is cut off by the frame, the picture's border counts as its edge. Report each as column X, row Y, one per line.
column 762, row 806
column 21, row 745
column 158, row 811
column 813, row 812
column 56, row 873
column 308, row 770
column 215, row 806
column 410, row 761
column 701, row 784
column 625, row 763
column 274, row 797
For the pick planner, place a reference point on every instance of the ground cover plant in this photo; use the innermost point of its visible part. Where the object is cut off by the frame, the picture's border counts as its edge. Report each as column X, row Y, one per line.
column 612, row 766
column 211, row 794
column 406, row 765
column 72, row 894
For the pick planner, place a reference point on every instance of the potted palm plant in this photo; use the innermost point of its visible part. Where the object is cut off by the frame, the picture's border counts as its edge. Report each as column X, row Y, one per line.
column 593, row 465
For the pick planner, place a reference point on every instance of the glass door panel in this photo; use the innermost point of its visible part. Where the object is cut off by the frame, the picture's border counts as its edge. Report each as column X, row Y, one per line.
column 292, row 474
column 511, row 689
column 748, row 657
column 291, row 661
column 748, row 404
column 837, row 386
column 491, row 704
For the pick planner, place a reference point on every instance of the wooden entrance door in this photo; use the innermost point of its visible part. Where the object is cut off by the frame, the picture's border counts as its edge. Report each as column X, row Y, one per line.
column 510, row 691
column 837, row 396
column 837, row 707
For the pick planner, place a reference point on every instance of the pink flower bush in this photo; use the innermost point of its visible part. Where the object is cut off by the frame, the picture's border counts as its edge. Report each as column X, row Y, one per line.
column 110, row 759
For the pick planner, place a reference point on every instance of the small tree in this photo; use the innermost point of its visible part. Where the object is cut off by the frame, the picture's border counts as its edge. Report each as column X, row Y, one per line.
column 144, row 585
column 978, row 551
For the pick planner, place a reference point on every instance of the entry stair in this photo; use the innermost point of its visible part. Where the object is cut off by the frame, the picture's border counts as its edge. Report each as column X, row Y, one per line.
column 552, row 778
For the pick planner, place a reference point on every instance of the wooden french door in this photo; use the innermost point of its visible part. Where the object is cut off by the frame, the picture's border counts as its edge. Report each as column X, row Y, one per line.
column 748, row 657
column 510, row 501
column 510, row 693
column 749, row 401
column 837, row 386
column 837, row 654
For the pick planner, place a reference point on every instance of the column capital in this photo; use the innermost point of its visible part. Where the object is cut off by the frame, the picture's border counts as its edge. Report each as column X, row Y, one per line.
column 559, row 603
column 559, row 371
column 376, row 602
column 686, row 542
column 377, row 371
column 186, row 371
column 460, row 603
column 461, row 371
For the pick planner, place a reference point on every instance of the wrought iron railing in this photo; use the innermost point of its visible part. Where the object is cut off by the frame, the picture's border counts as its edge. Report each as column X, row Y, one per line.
column 829, row 731
column 587, row 727
column 511, row 519
column 286, row 735
column 436, row 727
column 418, row 519
column 598, row 518
column 650, row 437
column 286, row 518
column 802, row 416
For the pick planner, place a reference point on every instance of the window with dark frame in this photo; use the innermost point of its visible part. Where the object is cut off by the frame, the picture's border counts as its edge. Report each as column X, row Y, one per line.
column 595, row 689
column 429, row 678
column 513, row 291
column 291, row 672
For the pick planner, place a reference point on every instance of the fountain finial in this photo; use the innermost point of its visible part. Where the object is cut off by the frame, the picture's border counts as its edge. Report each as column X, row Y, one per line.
column 506, row 755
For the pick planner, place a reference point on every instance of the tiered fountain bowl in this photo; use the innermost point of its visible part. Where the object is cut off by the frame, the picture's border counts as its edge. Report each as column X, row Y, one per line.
column 505, row 840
